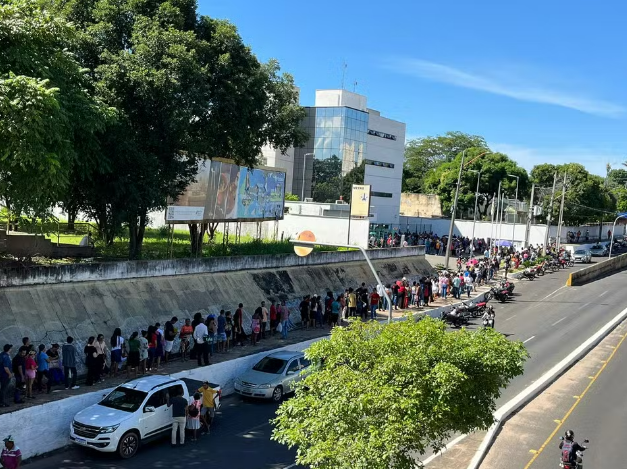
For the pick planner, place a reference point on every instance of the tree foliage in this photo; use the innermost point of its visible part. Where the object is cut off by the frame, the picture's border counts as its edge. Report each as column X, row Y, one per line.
column 48, row 119
column 494, row 167
column 587, row 198
column 327, row 179
column 386, row 392
column 186, row 88
column 424, row 154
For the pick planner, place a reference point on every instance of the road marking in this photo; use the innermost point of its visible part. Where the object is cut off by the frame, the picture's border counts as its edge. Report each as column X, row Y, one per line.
column 511, row 317
column 290, row 466
column 557, row 322
column 550, row 294
column 603, row 293
column 583, row 306
column 532, row 337
column 570, row 411
column 250, row 430
column 442, row 451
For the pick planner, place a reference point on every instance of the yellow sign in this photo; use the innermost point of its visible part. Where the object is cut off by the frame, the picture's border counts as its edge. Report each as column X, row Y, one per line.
column 360, row 201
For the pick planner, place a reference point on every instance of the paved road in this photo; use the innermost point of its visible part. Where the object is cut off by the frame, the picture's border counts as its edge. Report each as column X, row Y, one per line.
column 600, row 416
column 543, row 314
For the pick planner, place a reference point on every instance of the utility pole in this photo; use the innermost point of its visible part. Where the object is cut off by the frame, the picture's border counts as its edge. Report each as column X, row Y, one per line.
column 529, row 215
column 559, row 223
column 449, row 241
column 492, row 211
column 549, row 215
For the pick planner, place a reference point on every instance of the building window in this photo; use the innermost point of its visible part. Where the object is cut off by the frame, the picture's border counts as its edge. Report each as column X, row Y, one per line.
column 386, row 195
column 381, row 164
column 376, row 133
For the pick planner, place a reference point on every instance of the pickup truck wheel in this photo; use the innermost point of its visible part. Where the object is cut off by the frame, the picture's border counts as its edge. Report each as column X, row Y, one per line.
column 277, row 394
column 128, row 445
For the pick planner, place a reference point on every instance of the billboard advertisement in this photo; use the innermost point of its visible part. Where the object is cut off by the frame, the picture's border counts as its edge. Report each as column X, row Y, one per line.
column 224, row 191
column 360, row 200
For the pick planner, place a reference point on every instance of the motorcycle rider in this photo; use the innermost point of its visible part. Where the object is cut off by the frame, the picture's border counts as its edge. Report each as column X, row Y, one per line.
column 569, row 448
column 488, row 317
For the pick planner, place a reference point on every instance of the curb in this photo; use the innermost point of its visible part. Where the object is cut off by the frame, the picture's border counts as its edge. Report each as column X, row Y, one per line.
column 540, row 386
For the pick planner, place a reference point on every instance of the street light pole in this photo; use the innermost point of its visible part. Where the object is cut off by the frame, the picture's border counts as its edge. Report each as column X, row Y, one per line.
column 474, row 215
column 304, row 169
column 620, row 215
column 516, row 208
column 449, row 240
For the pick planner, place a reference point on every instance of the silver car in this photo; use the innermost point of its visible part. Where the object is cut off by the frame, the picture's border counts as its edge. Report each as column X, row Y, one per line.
column 581, row 255
column 274, row 376
column 599, row 250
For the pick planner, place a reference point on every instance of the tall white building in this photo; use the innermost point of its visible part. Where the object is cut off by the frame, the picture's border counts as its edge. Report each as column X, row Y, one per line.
column 340, row 124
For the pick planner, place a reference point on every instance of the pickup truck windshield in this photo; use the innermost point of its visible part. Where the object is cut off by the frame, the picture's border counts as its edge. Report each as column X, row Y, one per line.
column 128, row 400
column 270, row 365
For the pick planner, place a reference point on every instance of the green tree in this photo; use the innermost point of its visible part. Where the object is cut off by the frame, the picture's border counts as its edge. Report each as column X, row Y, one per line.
column 291, row 197
column 326, row 181
column 186, row 88
column 383, row 393
column 48, row 119
column 354, row 176
column 587, row 198
column 426, row 153
column 494, row 167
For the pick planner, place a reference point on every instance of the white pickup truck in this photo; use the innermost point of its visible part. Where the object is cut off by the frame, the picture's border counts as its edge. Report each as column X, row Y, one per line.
column 131, row 414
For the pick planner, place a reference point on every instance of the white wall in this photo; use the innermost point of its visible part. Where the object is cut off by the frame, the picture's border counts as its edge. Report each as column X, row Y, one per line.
column 337, row 98
column 326, row 229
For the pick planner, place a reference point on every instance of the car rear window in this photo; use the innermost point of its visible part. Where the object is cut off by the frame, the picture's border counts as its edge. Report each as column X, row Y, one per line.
column 270, row 365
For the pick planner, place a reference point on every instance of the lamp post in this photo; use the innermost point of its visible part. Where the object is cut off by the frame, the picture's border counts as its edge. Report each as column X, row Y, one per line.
column 515, row 209
column 474, row 214
column 620, row 215
column 304, row 169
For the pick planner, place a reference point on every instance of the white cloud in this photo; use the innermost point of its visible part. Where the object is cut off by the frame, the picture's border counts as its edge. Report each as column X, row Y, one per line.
column 510, row 85
column 594, row 160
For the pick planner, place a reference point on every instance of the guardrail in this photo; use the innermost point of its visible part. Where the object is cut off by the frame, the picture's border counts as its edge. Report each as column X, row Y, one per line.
column 597, row 271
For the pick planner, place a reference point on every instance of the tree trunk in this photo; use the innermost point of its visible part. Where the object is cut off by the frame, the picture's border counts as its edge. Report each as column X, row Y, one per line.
column 196, row 236
column 211, row 227
column 71, row 218
column 136, row 229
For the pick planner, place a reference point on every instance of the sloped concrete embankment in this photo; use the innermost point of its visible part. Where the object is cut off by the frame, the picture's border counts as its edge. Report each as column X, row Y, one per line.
column 50, row 312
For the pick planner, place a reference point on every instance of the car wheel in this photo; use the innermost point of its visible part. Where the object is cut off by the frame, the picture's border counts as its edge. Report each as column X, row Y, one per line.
column 277, row 394
column 128, row 445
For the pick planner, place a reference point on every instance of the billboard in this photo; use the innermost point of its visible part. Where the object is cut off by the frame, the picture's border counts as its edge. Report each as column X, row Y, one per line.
column 224, row 191
column 360, row 200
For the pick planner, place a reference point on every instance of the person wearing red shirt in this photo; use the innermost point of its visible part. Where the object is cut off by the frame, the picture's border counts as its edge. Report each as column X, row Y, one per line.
column 374, row 303
column 273, row 317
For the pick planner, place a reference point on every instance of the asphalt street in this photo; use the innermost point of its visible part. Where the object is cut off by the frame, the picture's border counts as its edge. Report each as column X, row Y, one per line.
column 600, row 416
column 551, row 319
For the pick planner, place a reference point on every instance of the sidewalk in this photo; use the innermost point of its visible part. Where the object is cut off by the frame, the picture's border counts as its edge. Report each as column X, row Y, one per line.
column 266, row 345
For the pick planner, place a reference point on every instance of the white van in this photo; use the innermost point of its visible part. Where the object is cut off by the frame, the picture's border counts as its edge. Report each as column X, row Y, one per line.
column 131, row 414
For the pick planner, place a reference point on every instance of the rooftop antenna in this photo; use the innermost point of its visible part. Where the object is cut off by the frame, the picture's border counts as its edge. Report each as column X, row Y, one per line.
column 344, row 66
column 355, row 87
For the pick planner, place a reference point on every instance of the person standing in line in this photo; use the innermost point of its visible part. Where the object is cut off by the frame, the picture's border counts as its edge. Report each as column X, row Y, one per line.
column 264, row 319
column 151, row 335
column 255, row 326
column 91, row 360
column 304, row 311
column 374, row 303
column 11, row 456
column 68, row 354
column 335, row 312
column 186, row 332
column 284, row 315
column 238, row 325
column 143, row 351
column 160, row 349
column 179, row 416
column 31, row 373
column 43, row 368
column 133, row 355
column 117, row 348
column 274, row 318
column 19, row 371
column 228, row 329
column 221, row 332
column 468, row 283
column 5, row 374
column 197, row 320
column 201, row 333
column 169, row 335
column 101, row 355
column 352, row 303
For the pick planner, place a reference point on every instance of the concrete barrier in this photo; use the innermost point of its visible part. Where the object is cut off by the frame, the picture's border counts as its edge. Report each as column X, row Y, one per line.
column 597, row 271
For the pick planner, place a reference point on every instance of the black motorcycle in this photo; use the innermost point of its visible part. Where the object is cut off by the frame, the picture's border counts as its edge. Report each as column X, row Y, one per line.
column 455, row 317
column 528, row 274
column 500, row 294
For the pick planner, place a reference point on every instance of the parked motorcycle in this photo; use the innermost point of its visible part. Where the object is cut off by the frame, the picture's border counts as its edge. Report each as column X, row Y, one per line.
column 509, row 286
column 500, row 294
column 455, row 317
column 473, row 309
column 529, row 274
column 578, row 464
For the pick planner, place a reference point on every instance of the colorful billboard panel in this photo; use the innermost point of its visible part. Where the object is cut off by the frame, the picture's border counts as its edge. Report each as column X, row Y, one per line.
column 228, row 192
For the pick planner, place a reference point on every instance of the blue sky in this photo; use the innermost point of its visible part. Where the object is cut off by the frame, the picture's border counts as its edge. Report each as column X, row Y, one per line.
column 543, row 81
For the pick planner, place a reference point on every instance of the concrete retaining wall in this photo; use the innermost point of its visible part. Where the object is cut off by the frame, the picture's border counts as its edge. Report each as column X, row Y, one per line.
column 597, row 271
column 146, row 269
column 49, row 313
